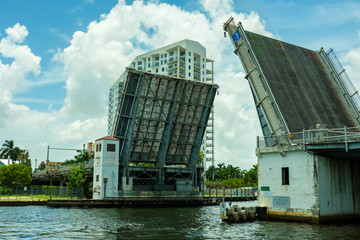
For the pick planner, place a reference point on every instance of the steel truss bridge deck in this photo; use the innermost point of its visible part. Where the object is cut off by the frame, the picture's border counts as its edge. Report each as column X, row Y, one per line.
column 160, row 123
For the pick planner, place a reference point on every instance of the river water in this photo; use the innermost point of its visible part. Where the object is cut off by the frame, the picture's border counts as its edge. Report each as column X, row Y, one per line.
column 40, row 222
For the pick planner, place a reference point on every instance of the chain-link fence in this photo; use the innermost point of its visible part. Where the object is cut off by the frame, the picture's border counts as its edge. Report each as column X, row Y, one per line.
column 40, row 193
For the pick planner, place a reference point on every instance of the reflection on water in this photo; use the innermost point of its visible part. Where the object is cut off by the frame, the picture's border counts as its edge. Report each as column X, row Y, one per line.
column 38, row 222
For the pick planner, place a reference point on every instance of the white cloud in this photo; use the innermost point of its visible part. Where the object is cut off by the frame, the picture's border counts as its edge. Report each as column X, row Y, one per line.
column 13, row 76
column 17, row 34
column 351, row 62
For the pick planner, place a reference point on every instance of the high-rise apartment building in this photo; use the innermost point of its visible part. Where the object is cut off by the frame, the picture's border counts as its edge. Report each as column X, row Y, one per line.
column 183, row 59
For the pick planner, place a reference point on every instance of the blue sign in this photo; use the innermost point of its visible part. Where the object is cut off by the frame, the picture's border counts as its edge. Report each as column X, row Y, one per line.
column 236, row 36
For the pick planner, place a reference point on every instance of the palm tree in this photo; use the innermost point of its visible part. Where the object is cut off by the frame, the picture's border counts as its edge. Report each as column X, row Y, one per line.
column 211, row 172
column 8, row 150
column 233, row 172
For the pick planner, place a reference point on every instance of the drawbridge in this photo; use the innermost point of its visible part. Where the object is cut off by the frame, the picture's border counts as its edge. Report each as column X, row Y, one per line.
column 160, row 125
column 294, row 88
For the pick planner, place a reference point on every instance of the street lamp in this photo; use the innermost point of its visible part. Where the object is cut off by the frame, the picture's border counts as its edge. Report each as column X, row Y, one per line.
column 66, row 149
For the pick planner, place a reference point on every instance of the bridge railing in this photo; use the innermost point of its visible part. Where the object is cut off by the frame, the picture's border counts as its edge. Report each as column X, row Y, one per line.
column 312, row 136
column 340, row 71
column 336, row 135
column 64, row 169
column 244, row 192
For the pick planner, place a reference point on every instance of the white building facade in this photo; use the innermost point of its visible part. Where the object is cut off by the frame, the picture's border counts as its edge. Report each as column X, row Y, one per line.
column 303, row 186
column 183, row 59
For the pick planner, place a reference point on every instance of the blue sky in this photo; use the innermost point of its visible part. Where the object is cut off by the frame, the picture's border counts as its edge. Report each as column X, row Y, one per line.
column 84, row 46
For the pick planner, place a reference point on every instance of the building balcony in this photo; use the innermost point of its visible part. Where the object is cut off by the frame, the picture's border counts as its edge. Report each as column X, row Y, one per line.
column 182, row 66
column 172, row 67
column 196, row 65
column 172, row 60
column 182, row 74
column 156, row 64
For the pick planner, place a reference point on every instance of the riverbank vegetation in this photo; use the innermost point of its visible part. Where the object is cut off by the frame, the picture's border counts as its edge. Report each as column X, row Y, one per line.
column 18, row 173
column 222, row 176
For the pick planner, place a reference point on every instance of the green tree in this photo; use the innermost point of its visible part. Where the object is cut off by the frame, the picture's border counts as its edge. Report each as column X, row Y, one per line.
column 251, row 176
column 23, row 158
column 42, row 166
column 200, row 157
column 15, row 175
column 212, row 173
column 232, row 183
column 77, row 177
column 230, row 176
column 82, row 157
column 8, row 150
column 233, row 172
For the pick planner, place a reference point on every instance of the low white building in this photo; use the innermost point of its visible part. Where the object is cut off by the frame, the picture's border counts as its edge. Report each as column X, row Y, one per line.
column 106, row 168
column 4, row 162
column 312, row 182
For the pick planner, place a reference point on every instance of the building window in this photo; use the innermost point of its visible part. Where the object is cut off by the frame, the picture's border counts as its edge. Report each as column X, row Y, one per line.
column 171, row 53
column 97, row 178
column 157, row 59
column 161, row 62
column 189, row 67
column 149, row 59
column 165, row 55
column 139, row 63
column 189, row 74
column 203, row 60
column 165, row 61
column 98, row 147
column 148, row 65
column 162, row 69
column 189, row 60
column 189, row 54
column 285, row 176
column 157, row 70
column 110, row 147
column 161, row 56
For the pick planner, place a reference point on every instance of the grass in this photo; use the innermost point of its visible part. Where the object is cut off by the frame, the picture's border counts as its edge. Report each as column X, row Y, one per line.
column 29, row 198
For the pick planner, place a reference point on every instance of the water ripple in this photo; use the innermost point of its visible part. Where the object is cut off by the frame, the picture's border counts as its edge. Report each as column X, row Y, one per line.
column 39, row 222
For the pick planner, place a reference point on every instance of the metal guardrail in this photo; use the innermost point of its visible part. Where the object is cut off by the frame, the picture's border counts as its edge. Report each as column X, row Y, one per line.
column 312, row 136
column 244, row 192
column 63, row 169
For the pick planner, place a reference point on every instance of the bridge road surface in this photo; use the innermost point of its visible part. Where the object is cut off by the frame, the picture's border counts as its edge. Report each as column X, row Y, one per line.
column 300, row 85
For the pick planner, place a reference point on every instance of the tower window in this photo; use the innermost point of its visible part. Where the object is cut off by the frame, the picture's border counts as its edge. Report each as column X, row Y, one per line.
column 110, row 147
column 285, row 176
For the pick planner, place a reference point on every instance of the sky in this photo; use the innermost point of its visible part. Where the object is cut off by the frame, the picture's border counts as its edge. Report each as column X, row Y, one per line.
column 59, row 58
